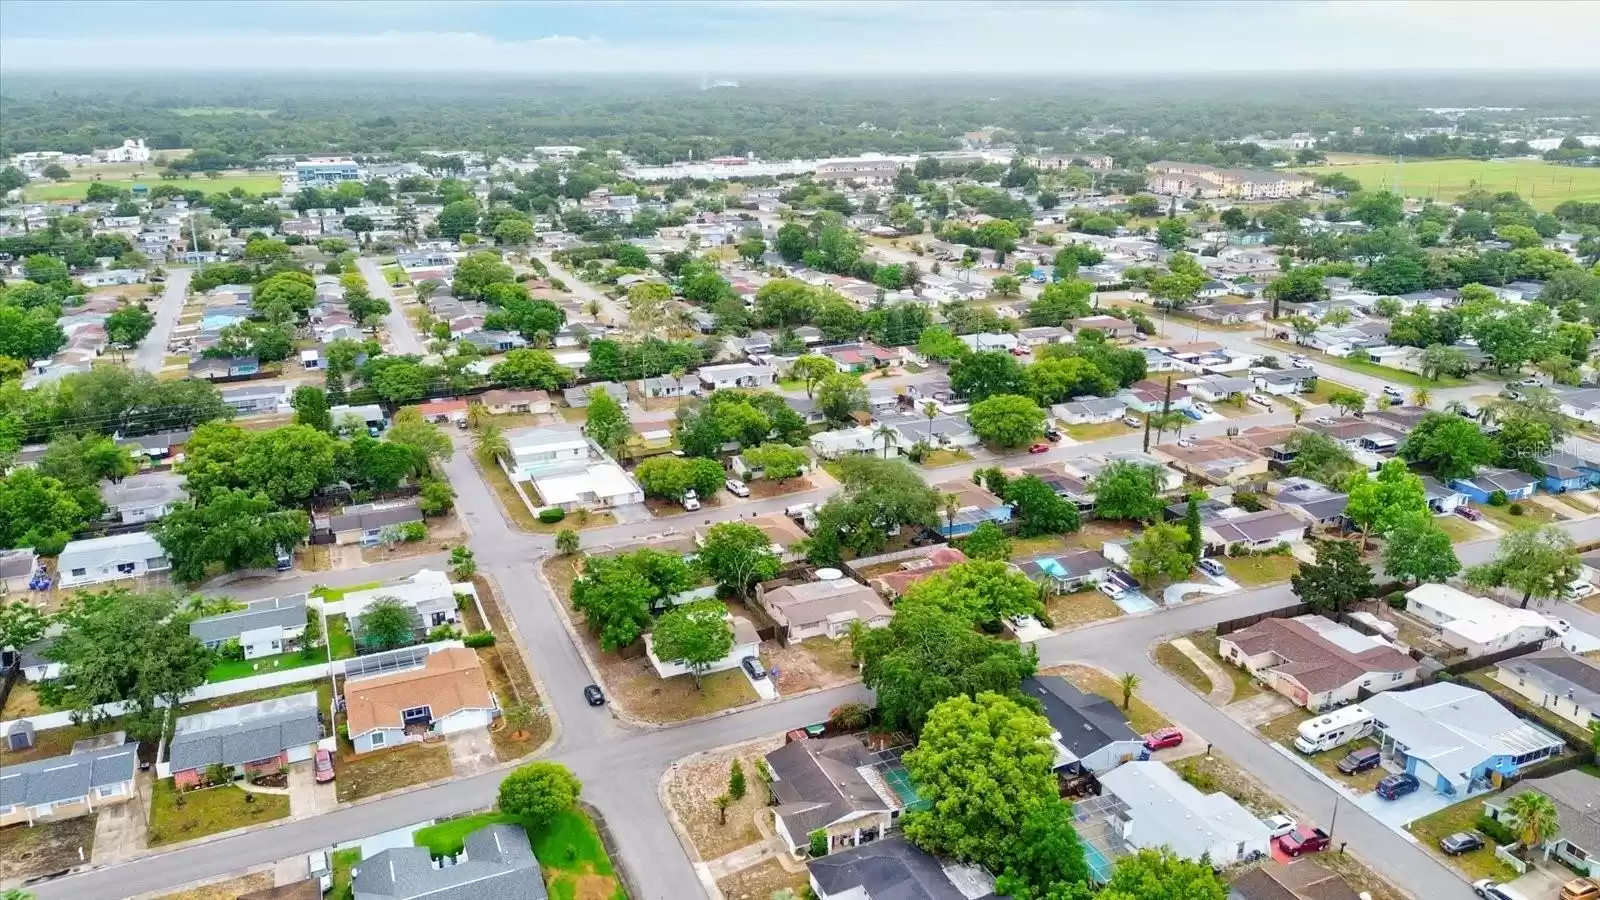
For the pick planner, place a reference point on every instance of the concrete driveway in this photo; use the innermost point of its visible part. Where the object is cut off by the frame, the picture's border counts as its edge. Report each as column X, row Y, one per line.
column 1543, row 882
column 471, row 752
column 1399, row 813
column 302, row 790
column 119, row 831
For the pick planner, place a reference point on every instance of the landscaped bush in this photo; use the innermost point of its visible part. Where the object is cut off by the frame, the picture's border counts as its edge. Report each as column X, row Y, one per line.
column 849, row 717
column 1498, row 498
column 1516, row 509
column 1492, row 829
column 479, row 639
column 552, row 515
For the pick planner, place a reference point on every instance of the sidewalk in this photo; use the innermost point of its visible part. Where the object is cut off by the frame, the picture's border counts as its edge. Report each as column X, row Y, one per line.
column 1221, row 683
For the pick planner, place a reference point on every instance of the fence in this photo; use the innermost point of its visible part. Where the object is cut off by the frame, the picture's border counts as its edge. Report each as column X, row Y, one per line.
column 1229, row 626
column 857, row 565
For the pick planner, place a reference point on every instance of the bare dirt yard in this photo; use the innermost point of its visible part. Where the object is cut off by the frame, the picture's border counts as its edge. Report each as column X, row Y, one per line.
column 696, row 782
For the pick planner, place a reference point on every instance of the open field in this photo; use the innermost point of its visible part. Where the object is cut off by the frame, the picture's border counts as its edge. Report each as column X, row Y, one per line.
column 76, row 190
column 1540, row 183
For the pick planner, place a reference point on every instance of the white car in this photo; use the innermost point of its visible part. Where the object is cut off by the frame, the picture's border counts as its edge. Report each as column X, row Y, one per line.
column 1324, row 420
column 1559, row 626
column 1300, row 364
column 1279, row 825
column 737, row 487
column 1204, row 408
column 691, row 500
column 1110, row 589
column 1262, row 400
column 1298, row 357
column 1390, row 390
column 1185, row 442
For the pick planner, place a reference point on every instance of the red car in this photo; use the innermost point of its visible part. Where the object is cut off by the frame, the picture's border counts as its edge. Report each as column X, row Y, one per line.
column 1304, row 840
column 323, row 767
column 1039, row 448
column 1163, row 738
column 1468, row 513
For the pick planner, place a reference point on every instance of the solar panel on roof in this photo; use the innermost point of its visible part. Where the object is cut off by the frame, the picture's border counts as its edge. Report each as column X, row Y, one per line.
column 385, row 663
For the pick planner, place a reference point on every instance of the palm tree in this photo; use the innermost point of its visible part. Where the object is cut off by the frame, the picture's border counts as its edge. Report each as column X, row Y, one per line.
column 931, row 410
column 1421, row 397
column 1298, row 411
column 593, row 308
column 477, row 415
column 491, row 441
column 888, row 436
column 1129, row 683
column 1536, row 819
column 952, row 505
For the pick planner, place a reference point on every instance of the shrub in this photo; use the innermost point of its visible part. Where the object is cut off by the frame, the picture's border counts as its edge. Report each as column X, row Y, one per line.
column 1495, row 831
column 411, row 532
column 443, row 632
column 552, row 515
column 819, row 843
column 1201, row 781
column 1498, row 498
column 849, row 717
column 231, row 649
column 1515, row 509
column 1247, row 501
column 479, row 639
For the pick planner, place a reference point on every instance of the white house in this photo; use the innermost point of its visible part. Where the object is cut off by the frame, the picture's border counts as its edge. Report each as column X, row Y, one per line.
column 1163, row 810
column 1285, row 381
column 736, row 375
column 133, row 150
column 984, row 342
column 568, row 470
column 1476, row 625
column 851, row 441
column 428, row 594
column 99, row 560
column 745, row 643
column 1090, row 410
column 1456, row 739
column 145, row 497
column 447, row 694
column 263, row 628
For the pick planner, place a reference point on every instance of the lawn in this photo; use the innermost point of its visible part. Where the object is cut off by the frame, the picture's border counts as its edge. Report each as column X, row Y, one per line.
column 1459, row 529
column 1286, row 728
column 1069, row 611
column 45, row 848
column 184, row 816
column 1477, row 864
column 341, row 644
column 58, row 741
column 1142, row 717
column 940, row 458
column 323, row 687
column 335, row 594
column 343, row 861
column 1099, row 431
column 1255, row 571
column 1043, row 544
column 1397, row 376
column 576, row 866
column 77, row 190
column 1538, row 182
column 1532, row 515
column 1178, row 663
column 395, row 275
column 229, row 669
column 1326, row 387
column 371, row 774
column 446, row 838
column 1244, row 684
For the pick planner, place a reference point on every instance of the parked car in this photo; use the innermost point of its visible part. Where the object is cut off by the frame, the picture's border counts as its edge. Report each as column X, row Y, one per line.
column 1110, row 589
column 691, row 500
column 1204, row 407
column 1019, row 351
column 1529, row 382
column 1163, row 738
column 323, row 767
column 1559, row 626
column 1459, row 843
column 1577, row 590
column 1278, row 825
column 1581, row 889
column 594, row 696
column 1132, row 422
column 1212, row 567
column 1185, row 442
column 1039, row 448
column 1300, row 364
column 1357, row 761
column 1324, row 420
column 1390, row 390
column 1468, row 513
column 1262, row 400
column 1491, row 890
column 1052, row 435
column 1298, row 357
column 1304, row 840
column 737, row 487
column 1393, row 787
column 754, row 667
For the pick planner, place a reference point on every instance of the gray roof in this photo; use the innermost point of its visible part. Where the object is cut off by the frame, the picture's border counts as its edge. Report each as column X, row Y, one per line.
column 243, row 734
column 1086, row 722
column 66, row 777
column 892, row 869
column 284, row 612
column 1501, row 479
column 366, row 516
column 816, row 782
column 1094, row 406
column 18, row 563
column 496, row 863
column 144, row 490
column 1562, row 674
column 1286, row 376
column 1573, row 792
column 161, row 442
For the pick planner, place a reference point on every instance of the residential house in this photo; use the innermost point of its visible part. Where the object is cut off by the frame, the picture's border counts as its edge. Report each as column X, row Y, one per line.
column 1043, row 335
column 1074, row 570
column 495, row 341
column 98, row 560
column 1477, row 626
column 1558, row 681
column 1110, row 326
column 1253, row 531
column 859, row 357
column 830, row 785
column 1068, row 485
column 506, row 402
column 1215, row 460
column 1568, row 472
column 249, row 401
column 1090, row 410
column 367, row 524
column 578, row 397
column 1088, row 467
column 1279, row 382
column 736, row 375
column 496, row 861
column 991, row 343
column 439, row 412
column 1316, row 662
column 893, row 869
column 1090, row 734
column 1456, row 739
column 853, row 442
column 367, row 417
column 938, row 558
column 16, row 570
column 1271, row 441
column 945, row 432
column 1364, row 437
column 1150, row 396
column 65, row 787
column 1312, row 503
column 569, row 470
column 225, row 368
column 1442, row 500
column 1298, row 879
column 1217, row 388
column 821, row 608
column 1232, row 313
column 255, row 737
column 428, row 594
column 1577, row 841
column 974, row 506
column 1159, row 809
column 1582, row 404
column 157, row 448
column 263, row 628
column 665, row 386
column 785, row 535
column 144, row 497
column 447, row 694
column 746, row 643
column 1480, row 487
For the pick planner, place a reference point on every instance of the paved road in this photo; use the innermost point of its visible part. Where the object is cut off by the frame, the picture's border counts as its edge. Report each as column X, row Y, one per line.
column 611, row 311
column 402, row 338
column 152, row 351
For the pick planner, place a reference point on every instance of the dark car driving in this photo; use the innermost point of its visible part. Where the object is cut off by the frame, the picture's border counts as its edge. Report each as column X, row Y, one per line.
column 594, row 696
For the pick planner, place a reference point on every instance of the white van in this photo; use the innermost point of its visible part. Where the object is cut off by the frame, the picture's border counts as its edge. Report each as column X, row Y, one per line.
column 1334, row 729
column 317, row 868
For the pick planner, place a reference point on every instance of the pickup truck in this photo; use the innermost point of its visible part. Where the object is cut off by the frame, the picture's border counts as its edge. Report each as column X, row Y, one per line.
column 1304, row 840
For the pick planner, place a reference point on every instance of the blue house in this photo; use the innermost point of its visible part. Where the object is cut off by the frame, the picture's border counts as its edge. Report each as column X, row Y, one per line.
column 1456, row 738
column 1566, row 472
column 1517, row 485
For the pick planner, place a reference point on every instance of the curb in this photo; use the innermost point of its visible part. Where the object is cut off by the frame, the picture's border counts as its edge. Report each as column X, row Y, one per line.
column 630, row 885
column 533, row 673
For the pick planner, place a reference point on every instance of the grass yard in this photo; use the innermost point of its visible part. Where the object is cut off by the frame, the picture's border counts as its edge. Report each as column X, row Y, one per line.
column 230, row 669
column 576, row 866
column 1099, row 431
column 395, row 275
column 343, row 861
column 1326, row 387
column 77, row 190
column 1023, row 548
column 1459, row 529
column 1179, row 665
column 183, row 816
column 509, row 494
column 1255, row 571
column 371, row 774
column 940, row 458
column 226, row 889
column 763, row 882
column 1142, row 717
column 45, row 848
column 1286, row 728
column 341, row 644
column 1533, row 515
column 335, row 594
column 446, row 838
column 57, row 742
column 1566, row 499
column 1068, row 611
column 1477, row 864
column 1244, row 685
column 23, row 701
column 1397, row 376
column 323, row 687
column 1538, row 182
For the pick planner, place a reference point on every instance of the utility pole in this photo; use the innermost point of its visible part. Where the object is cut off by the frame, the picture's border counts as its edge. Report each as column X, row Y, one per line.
column 1166, row 408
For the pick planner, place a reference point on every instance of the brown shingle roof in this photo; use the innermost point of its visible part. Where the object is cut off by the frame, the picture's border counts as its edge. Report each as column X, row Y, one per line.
column 1315, row 662
column 450, row 681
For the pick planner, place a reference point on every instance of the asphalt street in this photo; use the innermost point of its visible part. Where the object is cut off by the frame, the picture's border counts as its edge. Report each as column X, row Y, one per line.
column 152, row 351
column 402, row 337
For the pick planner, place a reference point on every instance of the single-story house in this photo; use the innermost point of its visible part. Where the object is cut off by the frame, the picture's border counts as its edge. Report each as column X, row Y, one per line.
column 367, row 523
column 1163, row 810
column 1317, row 662
column 852, row 442
column 1582, row 404
column 503, row 402
column 265, row 398
column 1254, row 531
column 103, row 559
column 895, row 584
column 1090, row 410
column 821, row 785
column 1089, row 732
column 1568, row 472
column 1577, row 842
column 1442, row 499
column 428, row 594
column 1042, row 335
column 263, row 628
column 893, row 869
column 1298, row 879
column 1285, row 381
column 144, row 497
column 821, row 608
column 495, row 861
column 1312, row 503
column 1066, row 572
column 1453, row 737
column 1216, row 460
column 156, row 447
column 64, row 787
column 1089, row 467
column 974, row 507
column 578, row 397
column 1477, row 626
column 1558, row 681
column 218, row 369
column 367, row 416
column 940, row 431
column 736, row 375
column 443, row 410
column 746, row 642
column 16, row 570
column 1152, row 396
column 447, row 694
column 1110, row 326
column 784, row 534
column 1216, row 388
column 665, row 386
column 987, row 342
column 255, row 737
column 495, row 341
column 1516, row 485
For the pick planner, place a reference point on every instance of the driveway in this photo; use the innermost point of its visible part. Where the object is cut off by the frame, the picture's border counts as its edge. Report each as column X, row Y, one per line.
column 1543, row 882
column 765, row 688
column 306, row 797
column 119, row 831
column 1399, row 813
column 1174, row 594
column 471, row 752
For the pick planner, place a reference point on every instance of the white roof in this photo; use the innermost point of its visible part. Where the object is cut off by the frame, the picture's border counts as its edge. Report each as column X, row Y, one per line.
column 1477, row 619
column 600, row 479
column 1166, row 810
column 857, row 438
column 1455, row 729
column 426, row 585
column 135, row 546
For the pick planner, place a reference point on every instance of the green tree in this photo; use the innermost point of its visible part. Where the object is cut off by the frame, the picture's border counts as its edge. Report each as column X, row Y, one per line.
column 984, row 764
column 1338, row 578
column 458, row 218
column 736, row 781
column 386, row 624
column 738, row 556
column 1061, row 301
column 478, row 272
column 813, row 370
column 1376, row 504
column 1040, row 509
column 129, row 324
column 1415, row 548
column 840, row 395
column 1535, row 818
column 1451, row 446
column 567, row 542
column 1192, row 525
column 538, row 792
column 529, row 368
column 1348, row 401
column 1007, row 420
column 21, row 624
column 616, row 594
column 1163, row 875
column 607, row 423
column 1539, row 562
column 777, row 462
column 1160, row 554
column 1128, row 491
column 426, row 441
column 982, row 591
column 1320, row 458
column 987, row 541
column 1005, row 286
column 983, row 375
column 463, row 564
column 937, row 343
column 231, row 529
column 694, row 635
column 311, row 408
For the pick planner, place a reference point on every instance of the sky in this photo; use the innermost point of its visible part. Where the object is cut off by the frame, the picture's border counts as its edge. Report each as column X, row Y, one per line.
column 729, row 38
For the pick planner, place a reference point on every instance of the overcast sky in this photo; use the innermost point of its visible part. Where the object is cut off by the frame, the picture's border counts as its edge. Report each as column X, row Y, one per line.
column 725, row 38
